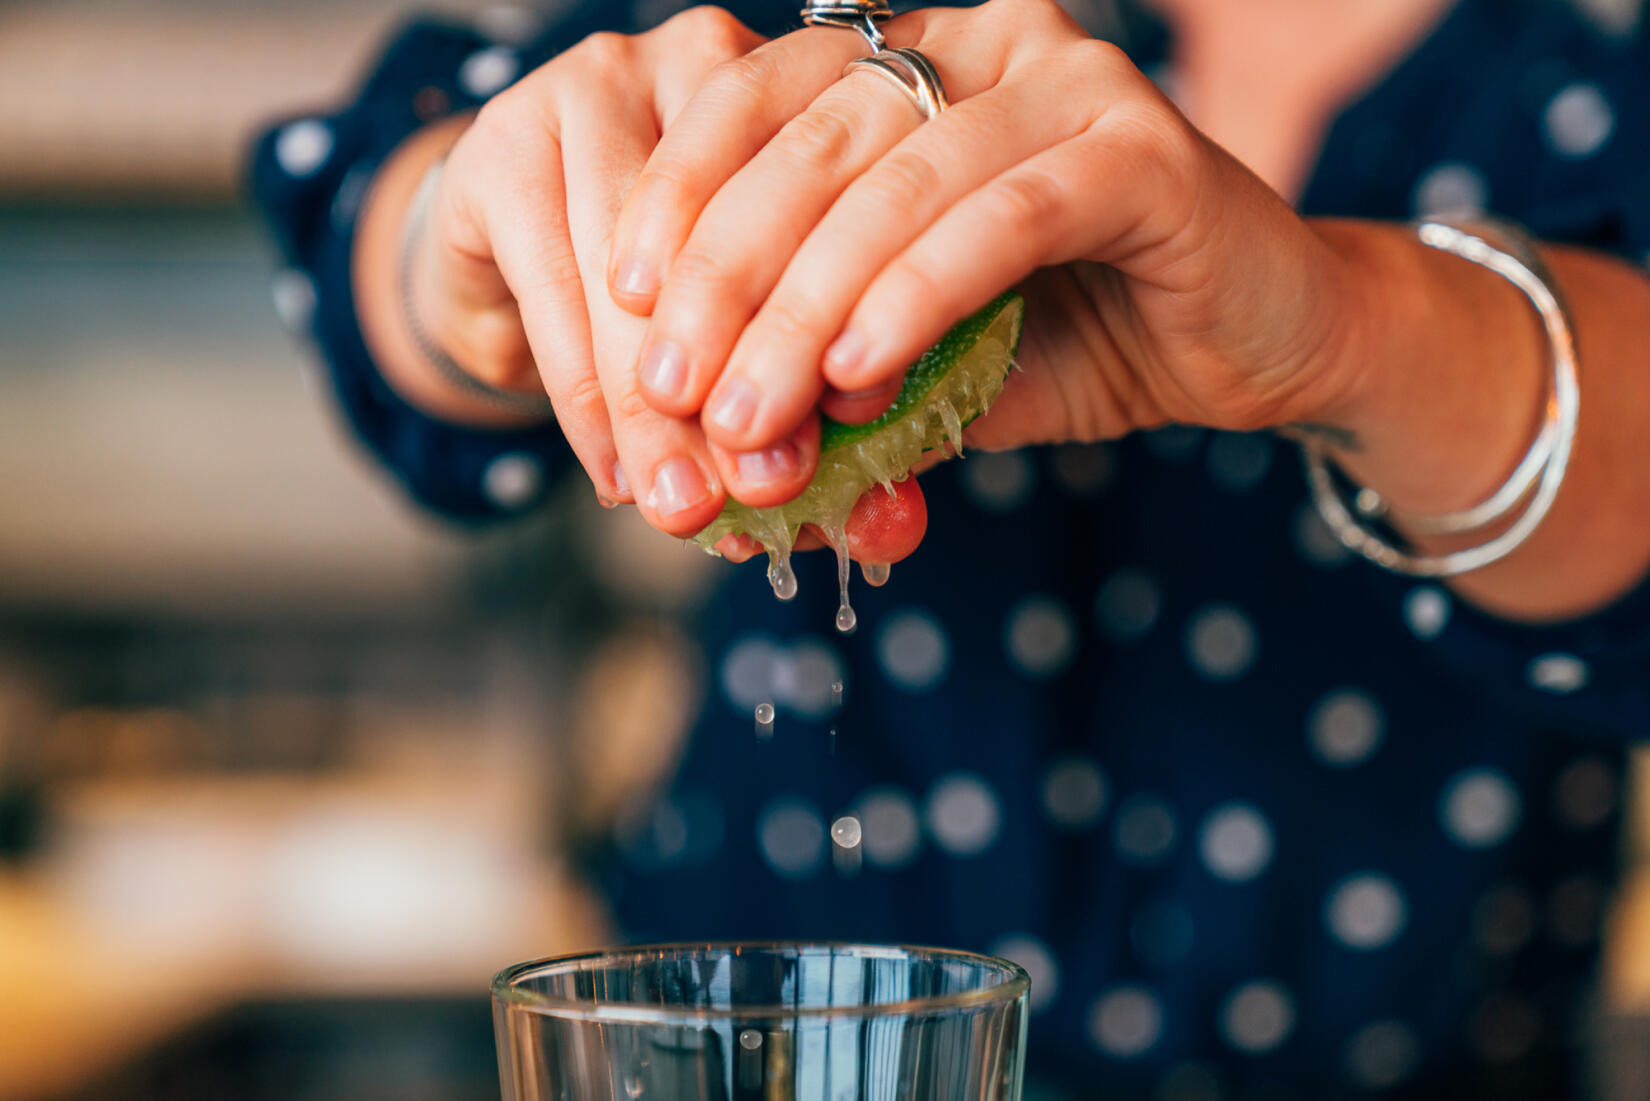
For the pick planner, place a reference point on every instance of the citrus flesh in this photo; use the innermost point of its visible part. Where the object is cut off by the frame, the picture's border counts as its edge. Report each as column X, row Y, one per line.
column 954, row 382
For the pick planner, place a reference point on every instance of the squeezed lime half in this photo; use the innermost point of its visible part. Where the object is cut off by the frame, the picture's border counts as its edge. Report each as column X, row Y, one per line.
column 955, row 381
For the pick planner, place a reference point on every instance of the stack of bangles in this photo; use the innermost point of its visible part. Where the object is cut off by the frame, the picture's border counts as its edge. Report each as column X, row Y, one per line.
column 1529, row 493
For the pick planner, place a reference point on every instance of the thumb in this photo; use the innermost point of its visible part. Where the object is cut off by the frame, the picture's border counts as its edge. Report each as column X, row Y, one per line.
column 883, row 529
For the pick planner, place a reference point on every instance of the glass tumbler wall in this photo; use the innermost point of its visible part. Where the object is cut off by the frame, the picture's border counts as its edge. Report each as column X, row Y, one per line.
column 775, row 1022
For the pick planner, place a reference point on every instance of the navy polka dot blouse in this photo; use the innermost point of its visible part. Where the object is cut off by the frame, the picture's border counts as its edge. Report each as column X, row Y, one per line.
column 1259, row 819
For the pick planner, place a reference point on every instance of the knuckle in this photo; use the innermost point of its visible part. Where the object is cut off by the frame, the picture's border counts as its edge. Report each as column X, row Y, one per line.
column 582, row 391
column 604, row 55
column 1101, row 54
column 817, row 139
column 903, row 179
column 630, row 405
column 1027, row 201
column 792, row 318
column 697, row 268
column 748, row 77
column 714, row 30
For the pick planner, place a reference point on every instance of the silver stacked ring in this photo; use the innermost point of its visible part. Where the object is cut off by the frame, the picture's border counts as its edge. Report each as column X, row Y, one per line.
column 908, row 69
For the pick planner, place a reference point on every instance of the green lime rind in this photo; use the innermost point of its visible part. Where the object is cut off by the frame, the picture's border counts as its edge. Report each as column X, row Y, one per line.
column 954, row 382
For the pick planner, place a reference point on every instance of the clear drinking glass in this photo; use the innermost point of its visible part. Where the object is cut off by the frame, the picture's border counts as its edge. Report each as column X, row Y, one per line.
column 775, row 1022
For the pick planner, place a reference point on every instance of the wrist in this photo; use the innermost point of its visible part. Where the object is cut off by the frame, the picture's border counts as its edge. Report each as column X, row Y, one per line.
column 1436, row 377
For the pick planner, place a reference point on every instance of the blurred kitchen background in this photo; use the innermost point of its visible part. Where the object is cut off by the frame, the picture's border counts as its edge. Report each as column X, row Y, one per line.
column 287, row 771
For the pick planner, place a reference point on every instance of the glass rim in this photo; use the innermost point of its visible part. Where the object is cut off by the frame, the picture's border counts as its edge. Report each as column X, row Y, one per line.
column 506, row 992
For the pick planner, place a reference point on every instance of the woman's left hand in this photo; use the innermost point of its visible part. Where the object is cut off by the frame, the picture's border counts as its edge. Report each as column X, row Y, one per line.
column 792, row 264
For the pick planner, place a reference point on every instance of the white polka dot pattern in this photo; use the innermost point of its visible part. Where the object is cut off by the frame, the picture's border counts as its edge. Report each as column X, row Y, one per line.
column 1578, row 121
column 1126, row 1022
column 890, row 833
column 1220, row 643
column 303, row 147
column 1345, row 728
column 1041, row 637
column 1315, row 542
column 1426, row 611
column 294, row 296
column 513, row 481
column 486, row 72
column 791, row 834
column 1382, row 1055
column 962, row 814
column 1033, row 955
column 1145, row 830
column 1366, row 912
column 748, row 671
column 803, row 677
column 1480, row 808
column 1452, row 189
column 1559, row 674
column 1257, row 1017
column 1128, row 605
column 912, row 649
column 1074, row 793
column 1235, row 842
column 998, row 481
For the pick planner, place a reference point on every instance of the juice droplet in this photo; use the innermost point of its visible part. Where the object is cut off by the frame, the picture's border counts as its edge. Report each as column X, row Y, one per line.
column 876, row 574
column 836, row 695
column 750, row 1039
column 782, row 578
column 953, row 427
column 833, row 741
column 846, row 620
column 764, row 720
column 633, row 1086
column 845, row 831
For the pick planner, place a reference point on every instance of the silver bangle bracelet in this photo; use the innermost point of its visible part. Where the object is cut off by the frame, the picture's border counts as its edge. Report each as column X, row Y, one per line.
column 512, row 401
column 1543, row 469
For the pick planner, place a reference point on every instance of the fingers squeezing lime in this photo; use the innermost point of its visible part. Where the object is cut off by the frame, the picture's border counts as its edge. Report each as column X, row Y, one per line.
column 954, row 382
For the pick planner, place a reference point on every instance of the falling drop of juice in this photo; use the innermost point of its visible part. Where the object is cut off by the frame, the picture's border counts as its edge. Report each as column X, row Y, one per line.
column 764, row 720
column 836, row 695
column 782, row 578
column 845, row 831
column 750, row 1039
column 633, row 1086
column 846, row 620
column 876, row 574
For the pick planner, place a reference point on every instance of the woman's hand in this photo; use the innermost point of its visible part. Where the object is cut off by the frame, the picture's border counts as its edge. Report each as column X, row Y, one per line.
column 792, row 258
column 510, row 272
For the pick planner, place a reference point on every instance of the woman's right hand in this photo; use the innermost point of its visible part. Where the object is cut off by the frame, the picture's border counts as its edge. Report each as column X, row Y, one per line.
column 511, row 270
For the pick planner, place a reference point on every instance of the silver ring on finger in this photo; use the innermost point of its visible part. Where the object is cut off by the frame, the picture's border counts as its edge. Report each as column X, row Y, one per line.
column 863, row 16
column 911, row 72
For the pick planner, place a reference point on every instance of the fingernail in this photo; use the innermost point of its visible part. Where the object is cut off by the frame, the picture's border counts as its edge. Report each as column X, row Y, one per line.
column 775, row 464
column 846, row 353
column 636, row 277
column 677, row 487
column 664, row 369
column 621, row 484
column 606, row 502
column 863, row 395
column 735, row 406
